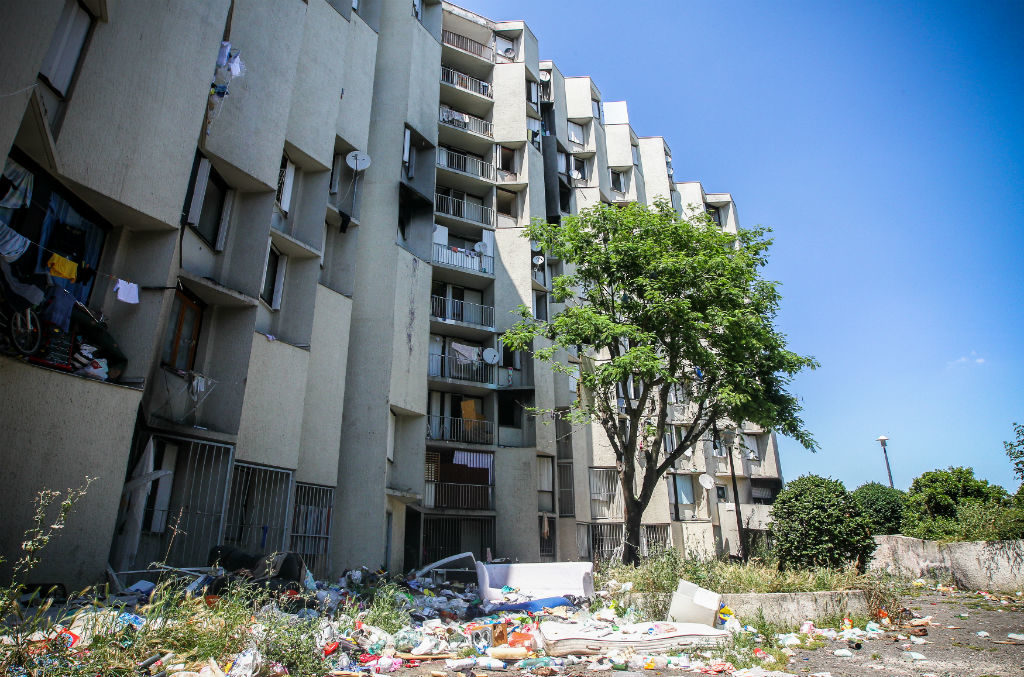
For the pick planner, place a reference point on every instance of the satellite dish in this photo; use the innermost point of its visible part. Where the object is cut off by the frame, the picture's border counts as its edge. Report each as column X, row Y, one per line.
column 357, row 160
column 706, row 481
column 545, row 76
column 480, row 247
column 534, row 246
column 538, row 260
column 576, row 174
column 490, row 356
column 510, row 52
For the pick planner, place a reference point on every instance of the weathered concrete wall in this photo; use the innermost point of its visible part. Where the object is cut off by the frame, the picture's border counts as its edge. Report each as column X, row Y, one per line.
column 796, row 607
column 975, row 565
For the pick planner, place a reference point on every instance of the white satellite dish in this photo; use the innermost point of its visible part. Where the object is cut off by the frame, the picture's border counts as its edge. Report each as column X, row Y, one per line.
column 538, row 260
column 357, row 160
column 510, row 52
column 706, row 481
column 480, row 247
column 576, row 174
column 534, row 246
column 490, row 356
column 545, row 76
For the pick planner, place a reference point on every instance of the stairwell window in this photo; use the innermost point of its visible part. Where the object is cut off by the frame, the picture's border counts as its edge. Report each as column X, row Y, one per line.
column 285, row 185
column 273, row 278
column 540, row 305
column 210, row 202
column 64, row 54
column 636, row 155
column 182, row 335
column 595, row 109
column 618, row 182
column 576, row 133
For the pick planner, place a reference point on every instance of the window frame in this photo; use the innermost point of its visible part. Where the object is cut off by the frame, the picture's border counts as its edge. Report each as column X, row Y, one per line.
column 622, row 180
column 277, row 290
column 187, row 302
column 203, row 174
column 546, row 467
column 57, row 62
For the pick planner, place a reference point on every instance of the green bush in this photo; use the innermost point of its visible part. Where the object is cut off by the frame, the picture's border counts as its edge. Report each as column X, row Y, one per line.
column 882, row 505
column 817, row 523
column 954, row 505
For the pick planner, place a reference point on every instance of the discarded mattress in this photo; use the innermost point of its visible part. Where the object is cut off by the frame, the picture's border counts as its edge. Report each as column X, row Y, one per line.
column 532, row 605
column 536, row 580
column 563, row 639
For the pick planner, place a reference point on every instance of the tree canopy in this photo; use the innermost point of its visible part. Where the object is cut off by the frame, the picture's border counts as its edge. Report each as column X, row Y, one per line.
column 668, row 309
column 882, row 506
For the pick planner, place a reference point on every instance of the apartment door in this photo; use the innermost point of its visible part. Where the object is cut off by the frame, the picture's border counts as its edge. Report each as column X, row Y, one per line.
column 435, row 356
column 435, row 414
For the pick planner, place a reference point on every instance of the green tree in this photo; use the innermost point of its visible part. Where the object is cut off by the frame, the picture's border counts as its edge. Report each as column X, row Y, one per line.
column 882, row 505
column 936, row 496
column 666, row 307
column 817, row 522
column 1015, row 450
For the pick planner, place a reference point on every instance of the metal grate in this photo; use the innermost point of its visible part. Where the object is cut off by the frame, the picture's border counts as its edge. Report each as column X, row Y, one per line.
column 258, row 508
column 566, row 498
column 447, row 536
column 184, row 511
column 605, row 497
column 606, row 540
column 311, row 526
column 583, row 540
column 546, row 530
column 653, row 538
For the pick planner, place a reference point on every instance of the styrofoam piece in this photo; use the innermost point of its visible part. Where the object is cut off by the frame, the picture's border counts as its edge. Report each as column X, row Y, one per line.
column 562, row 639
column 694, row 604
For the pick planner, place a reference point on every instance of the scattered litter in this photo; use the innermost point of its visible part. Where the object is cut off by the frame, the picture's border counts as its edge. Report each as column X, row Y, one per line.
column 843, row 653
column 1016, row 636
column 981, row 633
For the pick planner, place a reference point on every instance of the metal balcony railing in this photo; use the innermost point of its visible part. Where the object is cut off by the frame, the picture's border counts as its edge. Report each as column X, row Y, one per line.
column 468, row 430
column 458, row 79
column 463, row 210
column 467, row 44
column 458, row 368
column 461, row 311
column 467, row 164
column 458, row 496
column 459, row 120
column 467, row 259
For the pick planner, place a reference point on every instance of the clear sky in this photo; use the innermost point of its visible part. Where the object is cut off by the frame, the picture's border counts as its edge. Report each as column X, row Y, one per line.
column 884, row 144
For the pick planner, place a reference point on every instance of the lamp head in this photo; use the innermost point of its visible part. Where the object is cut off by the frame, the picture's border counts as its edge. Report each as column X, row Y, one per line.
column 882, row 439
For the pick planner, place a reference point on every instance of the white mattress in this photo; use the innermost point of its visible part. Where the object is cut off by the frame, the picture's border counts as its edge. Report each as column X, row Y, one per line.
column 563, row 639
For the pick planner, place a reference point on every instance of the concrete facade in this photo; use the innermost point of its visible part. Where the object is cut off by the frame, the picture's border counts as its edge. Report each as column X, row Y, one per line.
column 314, row 362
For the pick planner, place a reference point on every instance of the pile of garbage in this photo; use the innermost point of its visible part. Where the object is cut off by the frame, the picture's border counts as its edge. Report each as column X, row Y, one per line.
column 458, row 616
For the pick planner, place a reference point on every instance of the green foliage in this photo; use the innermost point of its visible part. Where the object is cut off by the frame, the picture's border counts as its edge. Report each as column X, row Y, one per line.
column 953, row 505
column 1015, row 450
column 882, row 505
column 937, row 493
column 974, row 521
column 673, row 305
column 817, row 523
column 387, row 609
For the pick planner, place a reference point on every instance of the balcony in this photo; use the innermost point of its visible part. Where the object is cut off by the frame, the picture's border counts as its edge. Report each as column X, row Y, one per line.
column 470, row 123
column 509, row 377
column 467, row 430
column 463, row 259
column 465, row 164
column 458, row 496
column 467, row 83
column 467, row 45
column 461, row 311
column 461, row 209
column 505, row 176
column 460, row 369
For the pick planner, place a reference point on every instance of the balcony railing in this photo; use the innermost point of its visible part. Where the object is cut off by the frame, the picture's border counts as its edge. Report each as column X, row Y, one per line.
column 461, row 311
column 458, row 79
column 509, row 377
column 458, row 496
column 459, row 368
column 459, row 120
column 468, row 430
column 467, row 164
column 463, row 210
column 467, row 259
column 466, row 44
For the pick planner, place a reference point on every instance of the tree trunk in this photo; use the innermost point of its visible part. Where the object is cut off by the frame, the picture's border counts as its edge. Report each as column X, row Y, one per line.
column 631, row 533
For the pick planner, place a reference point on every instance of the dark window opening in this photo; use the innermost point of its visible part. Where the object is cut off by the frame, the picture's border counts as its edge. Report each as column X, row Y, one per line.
column 182, row 337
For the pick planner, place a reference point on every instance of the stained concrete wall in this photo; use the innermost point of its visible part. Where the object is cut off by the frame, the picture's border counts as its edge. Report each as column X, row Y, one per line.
column 792, row 608
column 973, row 565
column 44, row 415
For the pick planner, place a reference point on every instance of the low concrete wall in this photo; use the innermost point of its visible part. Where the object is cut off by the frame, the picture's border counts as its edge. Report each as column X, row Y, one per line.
column 796, row 607
column 974, row 565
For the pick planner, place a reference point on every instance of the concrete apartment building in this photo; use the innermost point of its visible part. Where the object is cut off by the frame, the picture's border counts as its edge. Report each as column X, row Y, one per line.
column 302, row 345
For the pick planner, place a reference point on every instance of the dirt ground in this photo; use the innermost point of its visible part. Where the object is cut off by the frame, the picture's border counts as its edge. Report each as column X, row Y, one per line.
column 953, row 647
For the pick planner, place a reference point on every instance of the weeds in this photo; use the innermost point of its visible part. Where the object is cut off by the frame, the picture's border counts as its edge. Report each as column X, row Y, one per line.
column 387, row 609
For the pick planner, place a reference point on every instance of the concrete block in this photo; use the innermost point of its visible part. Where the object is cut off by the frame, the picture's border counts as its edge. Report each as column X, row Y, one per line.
column 796, row 607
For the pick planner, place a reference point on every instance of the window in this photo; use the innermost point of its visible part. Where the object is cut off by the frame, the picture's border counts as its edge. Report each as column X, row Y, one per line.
column 273, row 278
column 546, row 529
column 751, row 447
column 566, row 500
column 574, row 378
column 618, row 182
column 636, row 155
column 545, row 484
column 718, row 449
column 209, row 211
column 680, row 496
column 540, row 305
column 595, row 109
column 505, row 203
column 285, row 184
column 408, row 154
column 576, row 133
column 511, row 359
column 65, row 51
column 579, row 169
column 531, row 93
column 714, row 215
column 605, row 500
column 510, row 412
column 762, row 495
column 182, row 332
column 355, row 5
column 722, row 493
column 533, row 125
column 417, row 9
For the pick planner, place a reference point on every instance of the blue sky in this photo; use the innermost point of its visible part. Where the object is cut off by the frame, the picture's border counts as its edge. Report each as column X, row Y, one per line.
column 884, row 144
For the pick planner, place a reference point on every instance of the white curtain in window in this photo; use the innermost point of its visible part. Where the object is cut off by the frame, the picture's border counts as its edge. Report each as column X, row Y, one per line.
column 545, row 474
column 66, row 46
column 750, row 442
column 576, row 133
column 684, row 489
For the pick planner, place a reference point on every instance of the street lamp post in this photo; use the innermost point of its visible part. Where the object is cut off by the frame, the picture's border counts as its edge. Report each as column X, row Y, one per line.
column 882, row 439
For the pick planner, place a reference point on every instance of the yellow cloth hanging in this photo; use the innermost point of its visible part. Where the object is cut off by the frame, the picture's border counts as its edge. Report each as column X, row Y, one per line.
column 62, row 267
